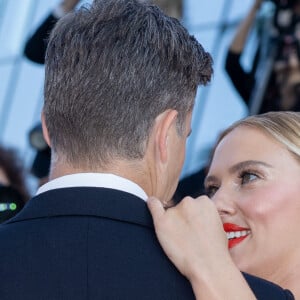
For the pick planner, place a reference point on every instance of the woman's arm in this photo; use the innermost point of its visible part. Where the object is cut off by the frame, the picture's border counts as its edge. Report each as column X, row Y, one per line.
column 239, row 40
column 242, row 80
column 192, row 236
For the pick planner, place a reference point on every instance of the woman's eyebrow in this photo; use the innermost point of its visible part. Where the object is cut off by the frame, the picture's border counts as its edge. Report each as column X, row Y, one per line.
column 248, row 163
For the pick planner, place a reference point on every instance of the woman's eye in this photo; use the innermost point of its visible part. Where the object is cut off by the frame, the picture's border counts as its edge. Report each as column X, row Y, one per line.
column 248, row 177
column 211, row 190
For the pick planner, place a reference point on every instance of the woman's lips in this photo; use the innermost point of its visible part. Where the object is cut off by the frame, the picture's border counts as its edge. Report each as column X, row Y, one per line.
column 235, row 234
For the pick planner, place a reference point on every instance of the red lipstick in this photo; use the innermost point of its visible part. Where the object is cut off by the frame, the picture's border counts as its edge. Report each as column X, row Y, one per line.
column 235, row 234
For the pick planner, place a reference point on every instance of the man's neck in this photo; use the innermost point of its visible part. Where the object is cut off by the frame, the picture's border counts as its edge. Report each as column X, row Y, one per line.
column 132, row 171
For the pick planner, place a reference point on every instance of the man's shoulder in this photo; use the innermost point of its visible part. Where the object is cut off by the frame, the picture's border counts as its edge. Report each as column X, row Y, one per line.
column 118, row 251
column 87, row 202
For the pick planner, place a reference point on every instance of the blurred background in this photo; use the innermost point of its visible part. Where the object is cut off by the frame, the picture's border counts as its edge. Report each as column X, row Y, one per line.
column 214, row 23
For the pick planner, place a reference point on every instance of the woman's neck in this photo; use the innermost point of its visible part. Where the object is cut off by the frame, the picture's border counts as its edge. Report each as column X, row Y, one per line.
column 291, row 282
column 289, row 277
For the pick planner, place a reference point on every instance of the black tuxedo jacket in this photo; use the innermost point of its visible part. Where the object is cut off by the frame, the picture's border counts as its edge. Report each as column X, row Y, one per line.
column 91, row 243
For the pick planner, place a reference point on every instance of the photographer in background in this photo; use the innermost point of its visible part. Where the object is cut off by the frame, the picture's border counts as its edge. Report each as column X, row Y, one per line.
column 273, row 82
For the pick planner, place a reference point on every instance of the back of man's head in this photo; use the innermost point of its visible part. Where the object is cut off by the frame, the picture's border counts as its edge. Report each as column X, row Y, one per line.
column 111, row 69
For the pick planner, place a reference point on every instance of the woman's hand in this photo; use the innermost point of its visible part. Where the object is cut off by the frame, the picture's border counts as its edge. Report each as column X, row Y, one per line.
column 192, row 236
column 191, row 233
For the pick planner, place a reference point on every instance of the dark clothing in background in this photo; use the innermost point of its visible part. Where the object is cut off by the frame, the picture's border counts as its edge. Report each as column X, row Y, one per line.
column 244, row 83
column 35, row 47
column 191, row 185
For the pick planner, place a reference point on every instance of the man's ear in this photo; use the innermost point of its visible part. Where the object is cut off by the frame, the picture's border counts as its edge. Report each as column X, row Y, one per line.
column 166, row 123
column 45, row 130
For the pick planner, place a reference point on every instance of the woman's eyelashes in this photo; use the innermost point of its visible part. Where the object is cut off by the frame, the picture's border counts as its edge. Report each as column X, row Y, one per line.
column 210, row 190
column 244, row 177
column 248, row 176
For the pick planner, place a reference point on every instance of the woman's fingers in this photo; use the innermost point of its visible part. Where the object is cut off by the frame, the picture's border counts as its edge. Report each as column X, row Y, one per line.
column 156, row 208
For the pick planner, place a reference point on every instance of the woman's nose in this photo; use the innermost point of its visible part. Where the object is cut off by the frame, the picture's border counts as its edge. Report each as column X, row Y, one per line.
column 224, row 202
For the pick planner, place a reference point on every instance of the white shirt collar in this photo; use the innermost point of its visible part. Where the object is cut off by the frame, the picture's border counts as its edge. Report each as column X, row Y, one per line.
column 104, row 180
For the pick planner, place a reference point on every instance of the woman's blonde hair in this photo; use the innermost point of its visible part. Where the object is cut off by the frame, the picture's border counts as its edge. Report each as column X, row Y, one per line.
column 283, row 126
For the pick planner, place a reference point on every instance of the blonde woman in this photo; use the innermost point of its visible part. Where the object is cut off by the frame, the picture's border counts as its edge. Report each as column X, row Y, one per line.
column 254, row 184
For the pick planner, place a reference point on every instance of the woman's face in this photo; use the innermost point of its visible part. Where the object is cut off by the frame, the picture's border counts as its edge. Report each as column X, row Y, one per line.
column 255, row 184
